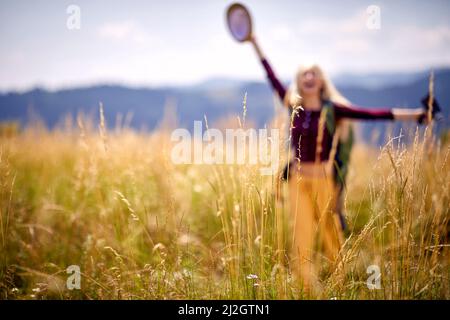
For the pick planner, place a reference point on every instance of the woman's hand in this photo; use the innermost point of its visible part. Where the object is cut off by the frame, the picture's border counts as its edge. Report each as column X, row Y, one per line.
column 409, row 114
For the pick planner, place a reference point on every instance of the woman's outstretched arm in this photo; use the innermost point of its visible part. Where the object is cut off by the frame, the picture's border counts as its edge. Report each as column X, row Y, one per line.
column 354, row 112
column 274, row 81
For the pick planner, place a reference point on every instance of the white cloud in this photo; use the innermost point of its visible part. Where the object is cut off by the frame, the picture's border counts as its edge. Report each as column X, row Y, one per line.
column 426, row 39
column 281, row 33
column 123, row 30
column 355, row 24
column 347, row 43
column 353, row 45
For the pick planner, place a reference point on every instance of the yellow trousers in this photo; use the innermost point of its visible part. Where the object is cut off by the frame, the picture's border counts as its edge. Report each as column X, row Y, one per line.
column 315, row 223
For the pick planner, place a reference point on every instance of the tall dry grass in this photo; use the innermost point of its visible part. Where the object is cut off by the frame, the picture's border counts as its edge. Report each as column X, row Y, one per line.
column 141, row 227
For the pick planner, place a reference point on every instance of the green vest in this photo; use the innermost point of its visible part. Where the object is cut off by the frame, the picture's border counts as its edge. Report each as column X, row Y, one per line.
column 344, row 147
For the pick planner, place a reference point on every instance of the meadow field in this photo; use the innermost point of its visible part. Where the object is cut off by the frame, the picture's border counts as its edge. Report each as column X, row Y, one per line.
column 140, row 227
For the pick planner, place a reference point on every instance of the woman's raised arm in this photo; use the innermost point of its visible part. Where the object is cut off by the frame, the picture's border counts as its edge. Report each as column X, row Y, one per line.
column 274, row 81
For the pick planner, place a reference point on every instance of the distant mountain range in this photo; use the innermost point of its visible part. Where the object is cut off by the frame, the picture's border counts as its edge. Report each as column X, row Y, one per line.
column 216, row 98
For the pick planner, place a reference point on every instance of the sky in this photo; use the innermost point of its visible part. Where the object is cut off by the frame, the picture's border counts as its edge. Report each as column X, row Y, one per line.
column 159, row 43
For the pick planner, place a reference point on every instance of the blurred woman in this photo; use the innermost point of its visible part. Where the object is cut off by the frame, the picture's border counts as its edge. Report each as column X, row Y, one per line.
column 316, row 129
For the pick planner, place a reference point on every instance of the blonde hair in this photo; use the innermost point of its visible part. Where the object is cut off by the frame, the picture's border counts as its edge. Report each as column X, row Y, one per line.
column 328, row 92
